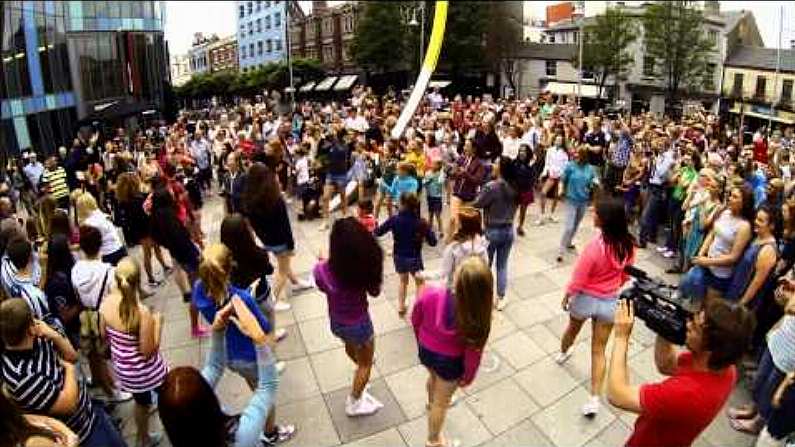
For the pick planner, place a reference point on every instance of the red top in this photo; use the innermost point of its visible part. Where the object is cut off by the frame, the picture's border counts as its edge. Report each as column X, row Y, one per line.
column 676, row 410
column 760, row 151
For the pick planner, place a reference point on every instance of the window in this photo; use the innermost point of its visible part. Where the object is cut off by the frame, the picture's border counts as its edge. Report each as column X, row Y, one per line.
column 242, row 52
column 259, row 25
column 242, row 11
column 268, row 22
column 648, row 66
column 251, row 49
column 737, row 89
column 259, row 47
column 786, row 91
column 277, row 20
column 713, row 37
column 270, row 46
column 552, row 68
column 259, row 5
column 761, row 84
column 250, row 28
column 551, row 38
column 709, row 77
column 576, row 36
column 278, row 44
column 248, row 7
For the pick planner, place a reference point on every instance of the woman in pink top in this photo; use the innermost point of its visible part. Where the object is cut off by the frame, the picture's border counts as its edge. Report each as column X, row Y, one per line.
column 593, row 289
column 452, row 326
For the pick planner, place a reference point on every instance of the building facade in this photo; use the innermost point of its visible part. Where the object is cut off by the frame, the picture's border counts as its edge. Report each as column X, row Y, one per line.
column 180, row 69
column 261, row 32
column 758, row 83
column 198, row 53
column 222, row 55
column 644, row 85
column 326, row 35
column 69, row 62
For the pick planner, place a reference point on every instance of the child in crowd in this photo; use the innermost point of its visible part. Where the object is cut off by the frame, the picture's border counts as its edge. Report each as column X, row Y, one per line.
column 365, row 215
column 467, row 241
column 353, row 270
column 302, row 177
column 434, row 188
column 404, row 182
column 408, row 232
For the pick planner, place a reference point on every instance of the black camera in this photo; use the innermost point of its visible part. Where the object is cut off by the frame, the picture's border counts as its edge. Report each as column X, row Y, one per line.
column 655, row 304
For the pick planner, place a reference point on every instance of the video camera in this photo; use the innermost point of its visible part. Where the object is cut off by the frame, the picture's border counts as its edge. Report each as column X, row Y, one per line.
column 655, row 304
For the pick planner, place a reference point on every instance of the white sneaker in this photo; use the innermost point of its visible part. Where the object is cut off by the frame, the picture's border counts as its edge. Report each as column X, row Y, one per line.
column 540, row 221
column 591, row 408
column 280, row 366
column 279, row 334
column 669, row 254
column 500, row 303
column 373, row 400
column 303, row 284
column 360, row 407
column 562, row 357
column 661, row 249
column 281, row 306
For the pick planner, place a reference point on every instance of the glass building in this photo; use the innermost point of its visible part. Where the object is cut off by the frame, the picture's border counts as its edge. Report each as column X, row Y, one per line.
column 70, row 62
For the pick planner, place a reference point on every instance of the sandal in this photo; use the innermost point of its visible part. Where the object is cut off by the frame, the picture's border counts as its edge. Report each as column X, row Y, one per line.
column 750, row 426
column 741, row 412
column 444, row 443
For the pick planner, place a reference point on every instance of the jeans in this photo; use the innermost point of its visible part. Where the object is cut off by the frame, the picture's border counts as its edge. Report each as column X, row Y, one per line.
column 651, row 213
column 500, row 242
column 575, row 211
column 675, row 218
column 103, row 433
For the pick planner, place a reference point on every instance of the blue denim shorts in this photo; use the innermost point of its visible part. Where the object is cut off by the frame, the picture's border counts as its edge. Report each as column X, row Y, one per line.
column 585, row 307
column 278, row 249
column 405, row 264
column 356, row 334
column 448, row 368
column 340, row 180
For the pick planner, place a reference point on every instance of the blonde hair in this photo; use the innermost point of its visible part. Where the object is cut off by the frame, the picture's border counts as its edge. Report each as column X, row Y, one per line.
column 47, row 208
column 85, row 205
column 215, row 269
column 127, row 185
column 128, row 281
column 474, row 293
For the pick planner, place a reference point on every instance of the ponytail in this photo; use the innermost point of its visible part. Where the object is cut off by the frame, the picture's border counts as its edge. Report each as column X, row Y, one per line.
column 214, row 270
column 128, row 279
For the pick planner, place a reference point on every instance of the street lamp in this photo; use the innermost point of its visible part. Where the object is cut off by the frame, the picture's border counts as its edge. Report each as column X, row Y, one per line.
column 409, row 14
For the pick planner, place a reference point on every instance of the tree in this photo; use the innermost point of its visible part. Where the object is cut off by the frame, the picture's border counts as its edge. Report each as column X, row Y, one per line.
column 503, row 35
column 605, row 46
column 380, row 40
column 464, row 39
column 674, row 36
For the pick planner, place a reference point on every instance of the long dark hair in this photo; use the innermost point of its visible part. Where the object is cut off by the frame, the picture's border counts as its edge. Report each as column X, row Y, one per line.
column 189, row 410
column 614, row 227
column 355, row 258
column 261, row 191
column 236, row 235
column 14, row 428
column 59, row 255
column 411, row 203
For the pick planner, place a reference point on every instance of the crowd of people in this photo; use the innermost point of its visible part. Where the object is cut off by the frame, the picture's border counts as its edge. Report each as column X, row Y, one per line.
column 74, row 311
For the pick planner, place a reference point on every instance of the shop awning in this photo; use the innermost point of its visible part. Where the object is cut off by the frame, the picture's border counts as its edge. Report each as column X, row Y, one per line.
column 346, row 82
column 439, row 84
column 308, row 86
column 326, row 84
column 765, row 112
column 565, row 88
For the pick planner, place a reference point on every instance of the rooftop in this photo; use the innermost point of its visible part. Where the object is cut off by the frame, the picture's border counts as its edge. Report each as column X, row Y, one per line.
column 762, row 58
column 546, row 51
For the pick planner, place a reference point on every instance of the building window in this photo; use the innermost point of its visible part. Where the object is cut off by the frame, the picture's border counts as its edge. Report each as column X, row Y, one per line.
column 786, row 91
column 709, row 77
column 242, row 11
column 249, row 7
column 648, row 66
column 270, row 46
column 251, row 49
column 552, row 68
column 259, row 48
column 761, row 84
column 278, row 44
column 576, row 36
column 713, row 37
column 551, row 38
column 259, row 25
column 259, row 4
column 250, row 28
column 268, row 22
column 737, row 89
column 277, row 20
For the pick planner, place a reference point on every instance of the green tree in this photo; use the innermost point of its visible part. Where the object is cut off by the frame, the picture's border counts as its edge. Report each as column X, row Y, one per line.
column 675, row 37
column 380, row 40
column 503, row 35
column 605, row 50
column 465, row 37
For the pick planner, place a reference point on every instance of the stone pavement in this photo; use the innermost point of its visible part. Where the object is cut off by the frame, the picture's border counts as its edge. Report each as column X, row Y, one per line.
column 526, row 400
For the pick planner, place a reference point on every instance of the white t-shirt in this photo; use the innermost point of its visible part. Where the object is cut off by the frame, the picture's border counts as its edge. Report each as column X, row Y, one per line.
column 87, row 278
column 302, row 171
column 110, row 236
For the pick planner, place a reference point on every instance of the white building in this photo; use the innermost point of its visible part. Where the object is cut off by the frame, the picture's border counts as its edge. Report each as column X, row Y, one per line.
column 180, row 69
column 198, row 54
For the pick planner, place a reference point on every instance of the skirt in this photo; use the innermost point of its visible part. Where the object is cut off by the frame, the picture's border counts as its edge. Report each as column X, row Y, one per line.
column 405, row 264
column 448, row 368
column 527, row 197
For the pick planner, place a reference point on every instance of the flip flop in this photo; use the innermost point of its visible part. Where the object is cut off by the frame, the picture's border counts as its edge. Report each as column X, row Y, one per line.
column 741, row 412
column 741, row 425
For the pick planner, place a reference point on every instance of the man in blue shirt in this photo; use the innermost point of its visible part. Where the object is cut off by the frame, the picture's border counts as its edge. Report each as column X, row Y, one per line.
column 661, row 167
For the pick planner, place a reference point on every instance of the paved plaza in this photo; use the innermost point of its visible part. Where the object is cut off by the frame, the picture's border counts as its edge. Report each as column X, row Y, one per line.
column 520, row 397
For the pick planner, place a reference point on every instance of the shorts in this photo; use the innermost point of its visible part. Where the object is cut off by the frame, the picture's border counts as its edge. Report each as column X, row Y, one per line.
column 355, row 334
column 527, row 197
column 448, row 368
column 340, row 180
column 187, row 259
column 434, row 205
column 584, row 307
column 405, row 264
column 115, row 257
column 716, row 282
column 278, row 249
column 146, row 398
column 781, row 420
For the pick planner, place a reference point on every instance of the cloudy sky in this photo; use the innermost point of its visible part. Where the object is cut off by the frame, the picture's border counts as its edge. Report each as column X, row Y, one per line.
column 187, row 17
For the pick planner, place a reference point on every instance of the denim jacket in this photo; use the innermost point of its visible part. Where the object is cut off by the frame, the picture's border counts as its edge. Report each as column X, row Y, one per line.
column 252, row 419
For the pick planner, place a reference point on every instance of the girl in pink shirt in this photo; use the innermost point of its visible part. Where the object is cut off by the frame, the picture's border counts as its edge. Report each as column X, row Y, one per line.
column 452, row 326
column 593, row 290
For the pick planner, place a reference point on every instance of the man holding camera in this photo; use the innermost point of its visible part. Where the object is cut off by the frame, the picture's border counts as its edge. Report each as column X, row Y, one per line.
column 675, row 411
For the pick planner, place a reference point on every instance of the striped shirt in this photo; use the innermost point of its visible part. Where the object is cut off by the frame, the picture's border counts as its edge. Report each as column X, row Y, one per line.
column 781, row 343
column 34, row 379
column 55, row 179
column 26, row 289
column 134, row 372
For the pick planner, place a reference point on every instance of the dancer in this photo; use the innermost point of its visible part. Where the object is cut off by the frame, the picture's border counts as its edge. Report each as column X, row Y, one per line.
column 467, row 241
column 452, row 327
column 554, row 164
column 577, row 183
column 593, row 290
column 353, row 270
column 89, row 214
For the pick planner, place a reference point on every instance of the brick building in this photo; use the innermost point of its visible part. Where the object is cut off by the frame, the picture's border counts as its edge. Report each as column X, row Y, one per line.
column 222, row 55
column 326, row 35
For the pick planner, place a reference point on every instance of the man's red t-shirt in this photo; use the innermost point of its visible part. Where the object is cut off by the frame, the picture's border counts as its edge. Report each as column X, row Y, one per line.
column 678, row 409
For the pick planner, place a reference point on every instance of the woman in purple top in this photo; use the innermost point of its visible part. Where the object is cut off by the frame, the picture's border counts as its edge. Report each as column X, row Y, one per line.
column 452, row 327
column 353, row 270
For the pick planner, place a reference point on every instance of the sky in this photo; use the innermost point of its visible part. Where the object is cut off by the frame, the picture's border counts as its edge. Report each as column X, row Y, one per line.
column 183, row 18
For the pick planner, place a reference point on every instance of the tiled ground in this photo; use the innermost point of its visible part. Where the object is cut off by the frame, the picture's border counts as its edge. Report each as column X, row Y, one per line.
column 520, row 397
